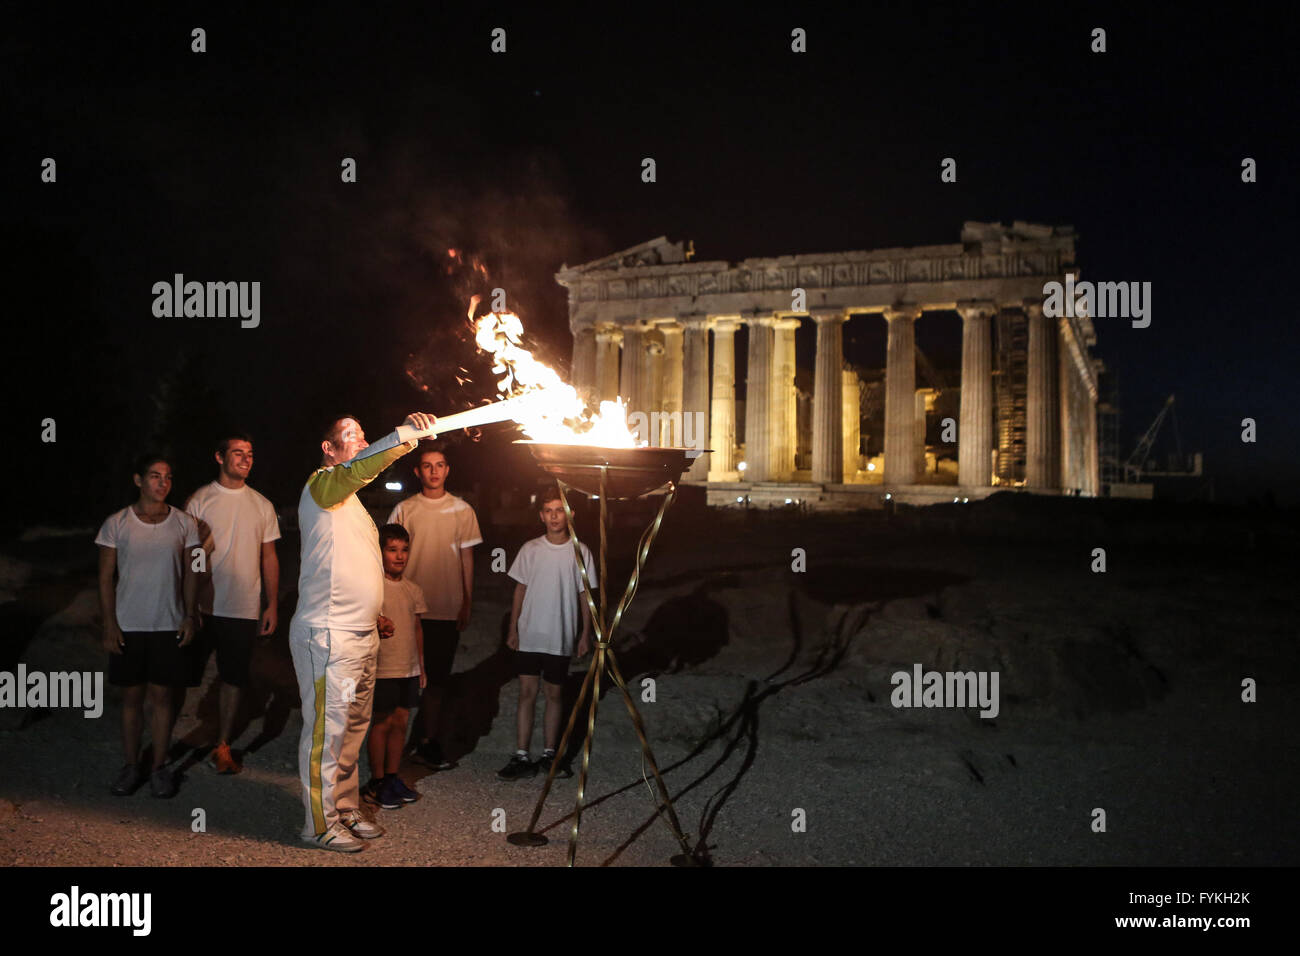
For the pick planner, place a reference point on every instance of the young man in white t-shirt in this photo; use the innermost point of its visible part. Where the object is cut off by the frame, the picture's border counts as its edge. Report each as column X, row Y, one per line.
column 334, row 634
column 149, row 616
column 444, row 531
column 545, row 618
column 399, row 678
column 240, row 529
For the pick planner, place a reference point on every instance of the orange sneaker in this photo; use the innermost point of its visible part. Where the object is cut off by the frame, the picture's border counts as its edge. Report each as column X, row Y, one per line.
column 224, row 761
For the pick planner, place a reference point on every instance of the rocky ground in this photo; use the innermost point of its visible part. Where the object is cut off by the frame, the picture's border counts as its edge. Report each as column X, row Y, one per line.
column 772, row 704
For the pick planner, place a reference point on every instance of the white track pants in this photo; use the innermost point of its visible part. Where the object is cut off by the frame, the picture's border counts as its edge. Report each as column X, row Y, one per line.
column 336, row 679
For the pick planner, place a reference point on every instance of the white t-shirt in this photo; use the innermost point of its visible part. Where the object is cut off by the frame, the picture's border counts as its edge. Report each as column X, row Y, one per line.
column 550, row 619
column 149, row 568
column 241, row 521
column 399, row 655
column 440, row 528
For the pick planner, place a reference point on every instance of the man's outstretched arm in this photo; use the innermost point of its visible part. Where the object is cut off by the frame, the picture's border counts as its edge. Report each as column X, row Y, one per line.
column 331, row 486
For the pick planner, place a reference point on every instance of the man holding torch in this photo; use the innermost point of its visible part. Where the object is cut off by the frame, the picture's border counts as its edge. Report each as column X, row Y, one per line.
column 335, row 633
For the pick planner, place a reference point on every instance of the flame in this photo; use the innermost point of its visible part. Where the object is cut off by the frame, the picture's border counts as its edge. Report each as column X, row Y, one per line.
column 546, row 407
column 457, row 260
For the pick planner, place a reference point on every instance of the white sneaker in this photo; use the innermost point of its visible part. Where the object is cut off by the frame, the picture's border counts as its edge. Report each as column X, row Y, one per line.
column 338, row 837
column 359, row 825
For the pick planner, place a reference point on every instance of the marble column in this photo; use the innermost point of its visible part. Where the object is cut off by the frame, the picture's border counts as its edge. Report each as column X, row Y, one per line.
column 608, row 341
column 583, row 371
column 975, row 427
column 722, row 426
column 900, row 395
column 758, row 401
column 670, row 432
column 1042, row 417
column 828, row 401
column 783, row 399
column 653, row 384
column 632, row 375
column 1067, row 396
column 695, row 394
column 851, row 417
column 1092, row 454
column 924, row 398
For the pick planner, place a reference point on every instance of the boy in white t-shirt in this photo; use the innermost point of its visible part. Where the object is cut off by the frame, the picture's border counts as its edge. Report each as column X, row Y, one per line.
column 240, row 530
column 399, row 676
column 148, row 616
column 545, row 618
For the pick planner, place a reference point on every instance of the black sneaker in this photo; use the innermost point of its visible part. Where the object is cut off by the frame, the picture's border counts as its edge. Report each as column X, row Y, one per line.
column 544, row 766
column 429, row 753
column 402, row 790
column 387, row 796
column 518, row 767
column 128, row 781
column 370, row 791
column 162, row 782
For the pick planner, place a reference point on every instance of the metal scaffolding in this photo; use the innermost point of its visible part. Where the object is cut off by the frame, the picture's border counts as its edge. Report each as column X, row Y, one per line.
column 1011, row 391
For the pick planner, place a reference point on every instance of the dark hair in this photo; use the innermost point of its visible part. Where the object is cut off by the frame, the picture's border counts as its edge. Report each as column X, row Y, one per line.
column 425, row 447
column 223, row 444
column 330, row 425
column 550, row 493
column 143, row 462
column 390, row 532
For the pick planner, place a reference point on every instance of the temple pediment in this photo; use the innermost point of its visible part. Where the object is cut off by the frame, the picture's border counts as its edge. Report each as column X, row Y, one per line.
column 656, row 252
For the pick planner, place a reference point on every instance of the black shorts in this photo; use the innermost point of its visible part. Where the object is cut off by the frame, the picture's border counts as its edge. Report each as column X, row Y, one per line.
column 394, row 692
column 441, row 638
column 553, row 668
column 150, row 657
column 233, row 639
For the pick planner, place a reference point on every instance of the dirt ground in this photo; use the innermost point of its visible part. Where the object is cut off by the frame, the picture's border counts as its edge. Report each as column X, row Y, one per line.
column 772, row 707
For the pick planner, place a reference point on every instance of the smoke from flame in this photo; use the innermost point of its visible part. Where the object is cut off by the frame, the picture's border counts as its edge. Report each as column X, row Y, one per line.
column 546, row 407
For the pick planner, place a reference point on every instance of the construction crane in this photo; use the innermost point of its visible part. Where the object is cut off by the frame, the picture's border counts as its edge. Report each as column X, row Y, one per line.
column 1135, row 468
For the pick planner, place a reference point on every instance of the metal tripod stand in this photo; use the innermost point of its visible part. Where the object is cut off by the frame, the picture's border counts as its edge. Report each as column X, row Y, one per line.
column 604, row 658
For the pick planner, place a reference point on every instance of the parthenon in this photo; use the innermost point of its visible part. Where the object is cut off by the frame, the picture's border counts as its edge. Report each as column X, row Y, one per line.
column 1026, row 413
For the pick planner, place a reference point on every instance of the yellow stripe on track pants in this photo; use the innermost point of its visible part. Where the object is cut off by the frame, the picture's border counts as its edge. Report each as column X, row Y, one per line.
column 336, row 680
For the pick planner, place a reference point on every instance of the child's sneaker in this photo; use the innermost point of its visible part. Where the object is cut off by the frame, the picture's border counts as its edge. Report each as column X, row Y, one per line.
column 223, row 761
column 338, row 838
column 519, row 766
column 430, row 754
column 403, row 791
column 387, row 795
column 544, row 765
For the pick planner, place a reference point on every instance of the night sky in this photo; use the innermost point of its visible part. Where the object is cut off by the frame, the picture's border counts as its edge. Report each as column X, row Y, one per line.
column 225, row 166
